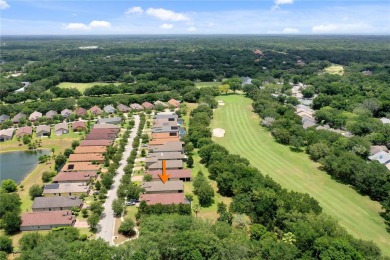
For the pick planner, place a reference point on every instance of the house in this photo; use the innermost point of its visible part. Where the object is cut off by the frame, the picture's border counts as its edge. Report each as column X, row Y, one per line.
column 27, row 130
column 110, row 120
column 86, row 157
column 90, row 149
column 65, row 189
column 154, row 187
column 300, row 62
column 175, row 174
column 110, row 131
column 154, row 164
column 95, row 110
column 105, row 136
column 46, row 220
column 61, row 128
column 42, row 130
column 66, row 112
column 50, row 114
column 174, row 102
column 167, row 147
column 367, row 73
column 55, row 203
column 107, row 126
column 154, row 157
column 4, row 118
column 246, row 81
column 382, row 157
column 148, row 105
column 80, row 111
column 308, row 122
column 96, row 142
column 385, row 120
column 170, row 116
column 67, row 177
column 123, row 108
column 164, row 135
column 79, row 126
column 378, row 148
column 167, row 127
column 109, row 109
column 163, row 141
column 160, row 103
column 35, row 116
column 136, row 106
column 6, row 134
column 17, row 117
column 80, row 167
column 164, row 199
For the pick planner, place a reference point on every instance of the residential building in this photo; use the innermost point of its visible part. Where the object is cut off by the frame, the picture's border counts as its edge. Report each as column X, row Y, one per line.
column 79, row 126
column 167, row 147
column 155, row 187
column 378, row 148
column 169, row 116
column 66, row 177
column 95, row 110
column 367, row 73
column 175, row 174
column 163, row 141
column 17, row 117
column 148, row 105
column 123, row 108
column 111, row 131
column 6, row 134
column 246, row 81
column 155, row 164
column 104, row 136
column 90, row 149
column 80, row 167
column 80, row 111
column 164, row 199
column 174, row 102
column 308, row 122
column 42, row 130
column 382, row 157
column 34, row 116
column 158, row 102
column 66, row 189
column 152, row 158
column 136, row 106
column 96, row 142
column 66, row 112
column 46, row 220
column 56, row 203
column 87, row 157
column 50, row 114
column 61, row 128
column 110, row 120
column 27, row 130
column 109, row 109
column 107, row 126
column 4, row 118
column 385, row 120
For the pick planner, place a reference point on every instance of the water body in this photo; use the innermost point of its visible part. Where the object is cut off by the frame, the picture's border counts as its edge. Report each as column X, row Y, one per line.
column 17, row 165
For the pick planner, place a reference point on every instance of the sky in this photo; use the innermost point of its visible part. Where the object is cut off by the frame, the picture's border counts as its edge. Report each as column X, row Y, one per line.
column 84, row 17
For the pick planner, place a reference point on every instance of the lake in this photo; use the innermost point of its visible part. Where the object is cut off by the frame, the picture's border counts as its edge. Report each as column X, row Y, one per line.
column 17, row 165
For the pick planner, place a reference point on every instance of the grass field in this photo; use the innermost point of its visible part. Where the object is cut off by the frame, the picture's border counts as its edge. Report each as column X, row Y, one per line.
column 82, row 86
column 335, row 69
column 295, row 171
column 207, row 84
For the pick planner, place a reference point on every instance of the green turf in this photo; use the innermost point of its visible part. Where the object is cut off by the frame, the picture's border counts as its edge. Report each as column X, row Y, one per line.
column 82, row 86
column 207, row 84
column 244, row 136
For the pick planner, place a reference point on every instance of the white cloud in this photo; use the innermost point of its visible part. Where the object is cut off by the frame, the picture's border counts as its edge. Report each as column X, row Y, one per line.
column 283, row 2
column 341, row 28
column 101, row 24
column 192, row 29
column 290, row 30
column 4, row 4
column 167, row 15
column 166, row 26
column 76, row 26
column 134, row 10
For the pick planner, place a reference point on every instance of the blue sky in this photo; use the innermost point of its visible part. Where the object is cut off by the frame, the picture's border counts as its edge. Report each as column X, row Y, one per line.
column 70, row 17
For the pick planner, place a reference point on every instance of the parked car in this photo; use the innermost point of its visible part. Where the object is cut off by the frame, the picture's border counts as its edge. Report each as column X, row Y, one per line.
column 129, row 203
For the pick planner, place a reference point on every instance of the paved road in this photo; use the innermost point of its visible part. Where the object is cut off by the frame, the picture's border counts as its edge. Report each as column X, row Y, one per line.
column 107, row 222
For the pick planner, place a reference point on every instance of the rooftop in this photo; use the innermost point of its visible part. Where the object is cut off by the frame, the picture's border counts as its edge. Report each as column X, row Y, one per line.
column 80, row 166
column 65, row 187
column 86, row 157
column 181, row 173
column 74, row 176
column 101, row 142
column 90, row 149
column 165, row 199
column 60, row 201
column 154, row 186
column 382, row 157
column 44, row 218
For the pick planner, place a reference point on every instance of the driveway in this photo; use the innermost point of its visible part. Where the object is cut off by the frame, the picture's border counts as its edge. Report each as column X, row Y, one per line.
column 107, row 222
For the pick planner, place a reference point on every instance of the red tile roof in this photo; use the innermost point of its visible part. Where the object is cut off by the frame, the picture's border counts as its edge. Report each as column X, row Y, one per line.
column 163, row 198
column 74, row 176
column 174, row 102
column 90, row 149
column 43, row 218
column 100, row 142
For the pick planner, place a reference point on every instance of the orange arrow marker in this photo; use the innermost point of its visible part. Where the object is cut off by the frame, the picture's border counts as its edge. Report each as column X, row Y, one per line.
column 164, row 176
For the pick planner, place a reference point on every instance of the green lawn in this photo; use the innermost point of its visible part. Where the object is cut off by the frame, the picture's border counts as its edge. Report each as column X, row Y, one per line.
column 295, row 171
column 335, row 69
column 81, row 86
column 207, row 84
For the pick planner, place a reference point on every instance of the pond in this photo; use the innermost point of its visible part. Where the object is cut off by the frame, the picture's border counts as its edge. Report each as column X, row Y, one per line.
column 17, row 165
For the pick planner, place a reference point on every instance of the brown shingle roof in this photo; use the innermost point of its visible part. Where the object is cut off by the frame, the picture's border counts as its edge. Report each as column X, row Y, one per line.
column 171, row 164
column 90, row 149
column 106, row 126
column 86, row 157
column 96, row 142
column 164, row 135
column 106, row 136
column 74, row 176
column 44, row 128
column 168, row 147
column 155, row 186
column 80, row 111
column 46, row 218
column 165, row 199
column 78, row 125
column 61, row 126
column 96, row 110
column 174, row 102
column 51, row 113
column 148, row 105
column 123, row 108
column 80, row 166
column 163, row 141
column 180, row 173
column 56, row 202
column 104, row 131
column 27, row 130
column 35, row 115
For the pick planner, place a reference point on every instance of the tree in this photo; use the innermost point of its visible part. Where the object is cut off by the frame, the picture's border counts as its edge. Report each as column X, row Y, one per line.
column 11, row 222
column 46, row 176
column 6, row 244
column 205, row 194
column 117, row 207
column 257, row 231
column 9, row 185
column 234, row 83
column 60, row 160
column 224, row 214
column 224, row 88
column 68, row 152
column 35, row 191
column 26, row 139
column 30, row 240
column 98, row 185
column 127, row 227
column 318, row 151
column 190, row 161
column 93, row 221
column 148, row 177
column 97, row 208
column 143, row 153
column 75, row 143
column 189, row 148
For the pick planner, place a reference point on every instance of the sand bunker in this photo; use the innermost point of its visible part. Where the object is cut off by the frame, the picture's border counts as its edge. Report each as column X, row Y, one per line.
column 218, row 132
column 221, row 103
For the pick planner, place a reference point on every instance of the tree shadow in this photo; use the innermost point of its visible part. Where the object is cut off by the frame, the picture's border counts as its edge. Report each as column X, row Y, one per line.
column 296, row 149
